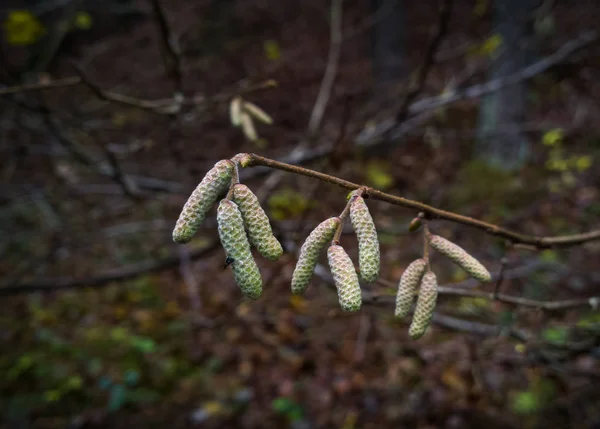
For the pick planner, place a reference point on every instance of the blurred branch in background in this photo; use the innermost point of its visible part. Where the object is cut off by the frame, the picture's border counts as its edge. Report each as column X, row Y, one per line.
column 392, row 129
column 116, row 275
column 170, row 47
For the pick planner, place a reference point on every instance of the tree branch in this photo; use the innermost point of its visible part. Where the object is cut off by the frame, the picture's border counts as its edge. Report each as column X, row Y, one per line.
column 526, row 73
column 170, row 47
column 251, row 160
column 116, row 275
column 592, row 302
column 335, row 44
column 40, row 86
column 421, row 109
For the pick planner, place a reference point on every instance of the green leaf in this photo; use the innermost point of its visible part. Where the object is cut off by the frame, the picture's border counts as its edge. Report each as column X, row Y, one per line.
column 525, row 403
column 74, row 382
column 83, row 21
column 583, row 163
column 491, row 45
column 378, row 175
column 143, row 344
column 22, row 28
column 549, row 256
column 287, row 407
column 553, row 137
column 556, row 335
column 287, row 203
column 119, row 334
column 272, row 50
column 118, row 396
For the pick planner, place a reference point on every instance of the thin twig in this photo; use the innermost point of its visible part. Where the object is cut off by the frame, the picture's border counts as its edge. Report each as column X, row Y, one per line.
column 417, row 85
column 503, row 264
column 453, row 290
column 325, row 89
column 335, row 44
column 421, row 110
column 252, row 160
column 526, row 73
column 170, row 47
column 116, row 275
column 156, row 106
column 185, row 269
column 40, row 86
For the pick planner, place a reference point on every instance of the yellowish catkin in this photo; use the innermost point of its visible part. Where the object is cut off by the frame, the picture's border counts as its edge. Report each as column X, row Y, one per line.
column 345, row 278
column 428, row 293
column 409, row 283
column 460, row 257
column 205, row 195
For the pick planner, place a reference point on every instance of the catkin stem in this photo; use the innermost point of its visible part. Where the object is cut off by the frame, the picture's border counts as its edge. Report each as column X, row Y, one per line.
column 235, row 178
column 344, row 215
column 426, row 235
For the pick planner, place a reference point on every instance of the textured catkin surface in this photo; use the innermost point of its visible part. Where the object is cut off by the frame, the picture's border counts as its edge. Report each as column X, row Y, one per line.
column 202, row 199
column 368, row 244
column 460, row 257
column 257, row 223
column 345, row 278
column 409, row 283
column 309, row 253
column 425, row 306
column 236, row 245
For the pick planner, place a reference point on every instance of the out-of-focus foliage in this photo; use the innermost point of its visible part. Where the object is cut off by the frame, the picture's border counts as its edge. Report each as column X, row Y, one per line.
column 22, row 28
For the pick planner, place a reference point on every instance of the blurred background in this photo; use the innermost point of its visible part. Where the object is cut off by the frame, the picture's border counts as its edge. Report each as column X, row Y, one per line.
column 112, row 111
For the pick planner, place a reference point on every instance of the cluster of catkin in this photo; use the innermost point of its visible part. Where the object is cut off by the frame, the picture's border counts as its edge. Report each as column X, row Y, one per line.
column 344, row 274
column 241, row 222
column 242, row 114
column 419, row 279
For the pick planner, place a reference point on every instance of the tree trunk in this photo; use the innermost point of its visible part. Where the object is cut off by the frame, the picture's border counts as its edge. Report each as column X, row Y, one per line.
column 500, row 138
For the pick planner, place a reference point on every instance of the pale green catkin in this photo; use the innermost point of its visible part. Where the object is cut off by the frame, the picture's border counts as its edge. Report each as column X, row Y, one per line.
column 194, row 211
column 235, row 111
column 345, row 278
column 248, row 127
column 409, row 283
column 258, row 113
column 257, row 223
column 309, row 253
column 460, row 257
column 368, row 243
column 236, row 245
column 425, row 305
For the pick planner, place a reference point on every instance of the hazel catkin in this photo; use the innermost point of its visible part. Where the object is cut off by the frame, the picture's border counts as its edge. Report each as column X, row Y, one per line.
column 214, row 183
column 368, row 243
column 428, row 293
column 345, row 278
column 236, row 245
column 309, row 253
column 257, row 223
column 409, row 283
column 460, row 257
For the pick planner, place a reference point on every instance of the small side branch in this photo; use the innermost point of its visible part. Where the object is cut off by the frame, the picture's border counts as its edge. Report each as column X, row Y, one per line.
column 170, row 47
column 116, row 275
column 335, row 44
column 428, row 60
column 40, row 86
